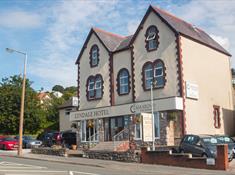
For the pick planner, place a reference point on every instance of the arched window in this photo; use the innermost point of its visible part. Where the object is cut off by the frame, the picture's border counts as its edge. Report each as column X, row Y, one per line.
column 147, row 75
column 94, row 87
column 94, row 56
column 154, row 72
column 123, row 84
column 151, row 38
column 159, row 73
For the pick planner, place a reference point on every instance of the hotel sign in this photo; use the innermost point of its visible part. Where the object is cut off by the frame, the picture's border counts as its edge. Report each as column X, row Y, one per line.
column 192, row 90
column 173, row 103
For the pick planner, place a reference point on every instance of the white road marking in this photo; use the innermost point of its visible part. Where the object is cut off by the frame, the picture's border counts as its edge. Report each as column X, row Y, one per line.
column 11, row 168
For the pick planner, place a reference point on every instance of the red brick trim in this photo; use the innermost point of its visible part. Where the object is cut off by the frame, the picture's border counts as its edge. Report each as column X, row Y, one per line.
column 157, row 38
column 181, row 83
column 118, row 82
column 111, row 80
column 133, row 73
column 78, row 83
column 216, row 109
column 102, row 87
column 98, row 55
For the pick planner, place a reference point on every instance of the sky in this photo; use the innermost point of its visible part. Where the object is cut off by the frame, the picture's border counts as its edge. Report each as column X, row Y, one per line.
column 52, row 32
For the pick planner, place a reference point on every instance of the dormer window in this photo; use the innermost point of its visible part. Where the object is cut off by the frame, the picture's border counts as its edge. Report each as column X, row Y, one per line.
column 94, row 56
column 151, row 38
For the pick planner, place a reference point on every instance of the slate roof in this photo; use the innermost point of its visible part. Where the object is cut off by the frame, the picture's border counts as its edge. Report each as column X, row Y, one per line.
column 114, row 42
column 110, row 40
column 189, row 30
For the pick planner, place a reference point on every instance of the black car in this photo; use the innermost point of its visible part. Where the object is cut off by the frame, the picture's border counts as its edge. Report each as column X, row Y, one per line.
column 68, row 138
column 201, row 146
column 50, row 138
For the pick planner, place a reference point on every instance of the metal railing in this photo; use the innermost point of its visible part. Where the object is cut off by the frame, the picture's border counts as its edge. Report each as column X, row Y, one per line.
column 122, row 136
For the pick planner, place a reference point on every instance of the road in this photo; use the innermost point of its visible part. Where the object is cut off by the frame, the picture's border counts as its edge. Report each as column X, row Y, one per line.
column 20, row 166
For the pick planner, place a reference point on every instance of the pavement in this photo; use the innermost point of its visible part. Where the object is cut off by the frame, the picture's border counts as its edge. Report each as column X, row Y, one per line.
column 115, row 165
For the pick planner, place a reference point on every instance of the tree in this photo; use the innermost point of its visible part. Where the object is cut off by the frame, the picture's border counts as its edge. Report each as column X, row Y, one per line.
column 10, row 102
column 69, row 92
column 58, row 88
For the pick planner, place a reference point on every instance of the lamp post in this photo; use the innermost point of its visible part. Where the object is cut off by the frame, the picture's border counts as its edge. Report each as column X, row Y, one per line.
column 153, row 84
column 22, row 100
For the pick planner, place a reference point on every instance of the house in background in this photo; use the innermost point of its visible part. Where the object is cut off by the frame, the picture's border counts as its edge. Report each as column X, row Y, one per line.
column 43, row 97
column 187, row 72
column 65, row 109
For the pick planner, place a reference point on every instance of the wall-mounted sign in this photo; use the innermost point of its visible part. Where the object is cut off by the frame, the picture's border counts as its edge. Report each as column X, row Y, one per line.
column 192, row 90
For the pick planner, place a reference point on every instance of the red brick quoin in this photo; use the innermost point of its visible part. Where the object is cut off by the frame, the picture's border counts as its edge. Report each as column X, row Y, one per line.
column 183, row 160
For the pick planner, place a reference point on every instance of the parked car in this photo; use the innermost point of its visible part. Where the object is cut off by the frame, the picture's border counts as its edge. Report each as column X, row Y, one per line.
column 50, row 138
column 201, row 146
column 29, row 142
column 68, row 138
column 8, row 143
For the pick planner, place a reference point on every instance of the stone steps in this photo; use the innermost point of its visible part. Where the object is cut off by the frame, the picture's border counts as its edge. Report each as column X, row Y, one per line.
column 109, row 146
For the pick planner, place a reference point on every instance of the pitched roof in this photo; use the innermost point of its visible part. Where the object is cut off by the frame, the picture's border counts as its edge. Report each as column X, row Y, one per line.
column 189, row 30
column 114, row 42
column 110, row 40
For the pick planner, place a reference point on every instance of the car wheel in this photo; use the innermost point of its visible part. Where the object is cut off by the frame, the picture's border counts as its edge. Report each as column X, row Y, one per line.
column 204, row 155
column 4, row 147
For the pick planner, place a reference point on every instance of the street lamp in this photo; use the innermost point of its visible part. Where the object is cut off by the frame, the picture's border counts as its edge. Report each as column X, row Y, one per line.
column 153, row 84
column 22, row 100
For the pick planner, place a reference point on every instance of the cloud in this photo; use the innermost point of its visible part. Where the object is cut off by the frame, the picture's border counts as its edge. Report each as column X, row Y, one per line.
column 20, row 19
column 132, row 27
column 69, row 21
column 214, row 17
column 223, row 41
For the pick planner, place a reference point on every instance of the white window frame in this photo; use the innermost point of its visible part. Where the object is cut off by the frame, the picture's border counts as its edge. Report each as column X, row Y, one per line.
column 151, row 36
column 91, row 81
column 94, row 55
column 157, row 116
column 140, row 138
column 157, row 76
column 83, row 125
column 123, row 84
column 98, row 81
column 148, row 78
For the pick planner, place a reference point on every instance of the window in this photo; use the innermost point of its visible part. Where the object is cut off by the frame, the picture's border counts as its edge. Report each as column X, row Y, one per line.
column 94, row 56
column 157, row 125
column 138, row 131
column 148, row 75
column 98, row 87
column 123, row 83
column 216, row 112
column 159, row 73
column 94, row 87
column 89, row 130
column 91, row 88
column 154, row 71
column 151, row 38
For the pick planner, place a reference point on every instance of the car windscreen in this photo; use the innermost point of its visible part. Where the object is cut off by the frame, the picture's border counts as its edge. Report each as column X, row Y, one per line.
column 210, row 140
column 224, row 139
column 9, row 139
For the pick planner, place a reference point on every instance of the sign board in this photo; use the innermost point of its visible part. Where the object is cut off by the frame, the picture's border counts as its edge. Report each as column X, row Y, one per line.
column 210, row 161
column 173, row 103
column 192, row 90
column 147, row 127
